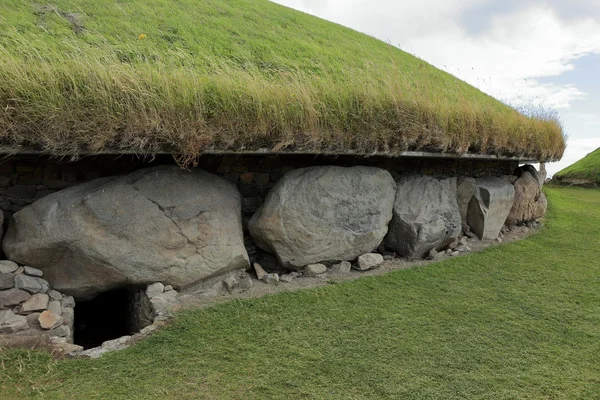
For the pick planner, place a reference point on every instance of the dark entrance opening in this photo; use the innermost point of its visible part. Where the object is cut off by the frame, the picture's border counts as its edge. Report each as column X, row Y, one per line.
column 105, row 317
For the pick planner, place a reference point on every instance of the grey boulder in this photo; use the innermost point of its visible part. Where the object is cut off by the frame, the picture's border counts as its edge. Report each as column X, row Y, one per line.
column 530, row 202
column 162, row 224
column 12, row 323
column 426, row 216
column 324, row 214
column 490, row 206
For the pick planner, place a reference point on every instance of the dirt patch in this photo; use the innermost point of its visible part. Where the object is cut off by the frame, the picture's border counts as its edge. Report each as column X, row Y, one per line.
column 211, row 293
column 73, row 18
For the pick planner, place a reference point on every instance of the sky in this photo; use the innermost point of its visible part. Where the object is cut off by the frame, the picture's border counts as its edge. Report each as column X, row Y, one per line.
column 528, row 53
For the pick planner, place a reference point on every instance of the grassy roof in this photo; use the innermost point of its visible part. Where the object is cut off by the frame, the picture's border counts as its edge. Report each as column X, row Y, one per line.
column 188, row 76
column 588, row 168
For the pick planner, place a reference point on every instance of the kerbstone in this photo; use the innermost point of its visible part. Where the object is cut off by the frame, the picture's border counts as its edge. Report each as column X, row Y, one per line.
column 490, row 206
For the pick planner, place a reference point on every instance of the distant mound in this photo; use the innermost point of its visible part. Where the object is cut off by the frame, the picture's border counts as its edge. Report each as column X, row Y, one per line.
column 585, row 172
column 191, row 76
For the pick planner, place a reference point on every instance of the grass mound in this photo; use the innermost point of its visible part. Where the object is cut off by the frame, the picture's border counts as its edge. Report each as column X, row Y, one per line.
column 188, row 76
column 585, row 170
column 519, row 321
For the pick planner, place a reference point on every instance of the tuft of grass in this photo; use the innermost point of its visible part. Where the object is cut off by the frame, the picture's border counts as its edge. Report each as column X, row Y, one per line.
column 519, row 321
column 190, row 76
column 586, row 169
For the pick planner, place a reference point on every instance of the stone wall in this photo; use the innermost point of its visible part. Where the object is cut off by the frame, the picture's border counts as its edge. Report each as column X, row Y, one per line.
column 24, row 179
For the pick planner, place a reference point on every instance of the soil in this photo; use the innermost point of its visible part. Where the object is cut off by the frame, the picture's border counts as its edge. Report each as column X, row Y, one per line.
column 212, row 292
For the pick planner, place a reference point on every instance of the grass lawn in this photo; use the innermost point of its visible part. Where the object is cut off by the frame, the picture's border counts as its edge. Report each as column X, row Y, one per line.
column 187, row 76
column 519, row 321
column 587, row 168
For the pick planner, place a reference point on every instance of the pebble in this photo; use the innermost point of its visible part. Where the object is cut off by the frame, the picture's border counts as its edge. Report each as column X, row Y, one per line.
column 313, row 270
column 271, row 278
column 33, row 272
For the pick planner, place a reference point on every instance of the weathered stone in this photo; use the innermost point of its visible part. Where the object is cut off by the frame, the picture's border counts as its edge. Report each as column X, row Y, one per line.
column 69, row 348
column 369, row 261
column 324, row 214
column 33, row 322
column 490, row 206
column 31, row 284
column 244, row 281
column 67, row 301
column 11, row 323
column 6, row 266
column 230, row 283
column 33, row 271
column 465, row 190
column 434, row 255
column 55, row 295
column 271, row 278
column 13, row 297
column 453, row 245
column 55, row 307
column 530, row 202
column 149, row 329
column 313, row 270
column 48, row 320
column 168, row 288
column 463, row 249
column 19, row 271
column 7, row 281
column 426, row 216
column 60, row 331
column 162, row 224
column 341, row 268
column 37, row 302
column 260, row 272
column 287, row 278
column 155, row 289
column 68, row 315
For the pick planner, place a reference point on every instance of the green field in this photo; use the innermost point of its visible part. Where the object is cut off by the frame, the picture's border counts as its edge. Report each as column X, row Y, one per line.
column 188, row 76
column 588, row 168
column 519, row 321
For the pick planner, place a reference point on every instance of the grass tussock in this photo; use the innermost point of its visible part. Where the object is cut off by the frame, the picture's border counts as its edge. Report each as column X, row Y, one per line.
column 191, row 76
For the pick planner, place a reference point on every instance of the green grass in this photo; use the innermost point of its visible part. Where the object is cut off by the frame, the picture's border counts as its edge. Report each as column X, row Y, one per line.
column 188, row 76
column 520, row 321
column 588, row 168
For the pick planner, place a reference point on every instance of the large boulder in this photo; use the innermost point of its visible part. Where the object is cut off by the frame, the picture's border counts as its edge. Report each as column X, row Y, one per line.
column 426, row 216
column 162, row 224
column 325, row 214
column 530, row 202
column 490, row 206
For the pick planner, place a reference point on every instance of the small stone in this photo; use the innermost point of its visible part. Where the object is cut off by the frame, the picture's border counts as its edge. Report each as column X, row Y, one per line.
column 55, row 307
column 168, row 288
column 67, row 301
column 313, row 270
column 462, row 241
column 37, row 302
column 260, row 272
column 288, row 278
column 7, row 281
column 341, row 268
column 68, row 315
column 13, row 297
column 149, row 329
column 449, row 252
column 61, row 331
column 271, row 278
column 463, row 249
column 230, row 283
column 155, row 290
column 19, row 271
column 434, row 255
column 452, row 245
column 55, row 295
column 69, row 348
column 33, row 271
column 7, row 267
column 499, row 240
column 48, row 320
column 387, row 257
column 369, row 261
column 244, row 280
column 12, row 323
column 31, row 284
column 472, row 235
column 455, row 253
column 247, row 178
column 32, row 321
